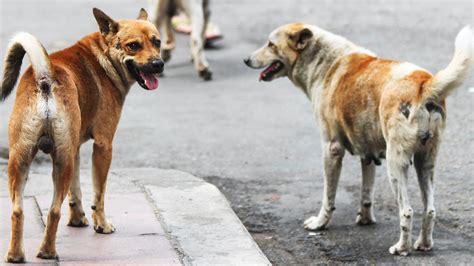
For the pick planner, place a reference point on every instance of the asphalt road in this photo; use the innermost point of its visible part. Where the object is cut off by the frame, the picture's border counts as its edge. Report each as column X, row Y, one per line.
column 258, row 142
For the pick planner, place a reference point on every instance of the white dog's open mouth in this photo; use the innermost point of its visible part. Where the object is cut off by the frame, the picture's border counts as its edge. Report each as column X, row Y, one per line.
column 268, row 73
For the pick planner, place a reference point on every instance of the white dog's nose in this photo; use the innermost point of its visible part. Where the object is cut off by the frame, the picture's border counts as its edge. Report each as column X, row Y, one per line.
column 247, row 61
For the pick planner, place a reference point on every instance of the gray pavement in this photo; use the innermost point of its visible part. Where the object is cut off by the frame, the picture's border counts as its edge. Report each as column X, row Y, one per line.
column 258, row 143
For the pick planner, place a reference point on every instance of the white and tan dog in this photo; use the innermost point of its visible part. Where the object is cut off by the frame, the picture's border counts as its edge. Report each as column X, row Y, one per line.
column 372, row 107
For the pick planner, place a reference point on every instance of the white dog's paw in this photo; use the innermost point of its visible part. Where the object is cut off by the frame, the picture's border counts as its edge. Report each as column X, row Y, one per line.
column 401, row 249
column 315, row 223
column 423, row 245
column 367, row 219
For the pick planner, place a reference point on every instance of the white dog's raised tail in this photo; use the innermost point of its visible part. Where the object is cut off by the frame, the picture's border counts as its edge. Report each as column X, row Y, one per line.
column 450, row 78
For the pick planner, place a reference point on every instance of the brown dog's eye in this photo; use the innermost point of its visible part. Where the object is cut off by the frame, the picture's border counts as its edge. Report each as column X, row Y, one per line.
column 134, row 46
column 156, row 42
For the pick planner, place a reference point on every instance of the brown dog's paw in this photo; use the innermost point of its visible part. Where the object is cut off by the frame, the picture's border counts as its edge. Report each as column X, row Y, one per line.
column 166, row 55
column 107, row 228
column 15, row 258
column 47, row 255
column 78, row 222
column 205, row 74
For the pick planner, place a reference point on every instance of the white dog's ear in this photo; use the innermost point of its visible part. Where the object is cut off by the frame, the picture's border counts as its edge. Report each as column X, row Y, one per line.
column 299, row 39
column 142, row 14
column 106, row 24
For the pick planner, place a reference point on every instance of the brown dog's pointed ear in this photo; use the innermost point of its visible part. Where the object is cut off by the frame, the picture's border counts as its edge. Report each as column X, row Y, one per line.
column 298, row 40
column 106, row 24
column 142, row 14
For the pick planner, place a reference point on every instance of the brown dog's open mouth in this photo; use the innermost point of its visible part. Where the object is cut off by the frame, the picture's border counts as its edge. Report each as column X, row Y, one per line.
column 268, row 73
column 148, row 81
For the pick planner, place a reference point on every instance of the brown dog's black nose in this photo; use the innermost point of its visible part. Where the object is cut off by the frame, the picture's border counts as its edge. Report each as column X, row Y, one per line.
column 247, row 61
column 158, row 65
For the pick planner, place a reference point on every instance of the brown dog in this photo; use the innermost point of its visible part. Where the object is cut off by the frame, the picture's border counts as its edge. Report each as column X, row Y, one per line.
column 371, row 107
column 65, row 99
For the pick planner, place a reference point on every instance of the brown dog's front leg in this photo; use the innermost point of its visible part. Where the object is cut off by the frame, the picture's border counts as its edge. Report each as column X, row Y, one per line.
column 101, row 159
column 77, row 217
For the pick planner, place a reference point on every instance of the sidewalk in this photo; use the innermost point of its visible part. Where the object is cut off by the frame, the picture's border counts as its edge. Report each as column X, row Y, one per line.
column 162, row 217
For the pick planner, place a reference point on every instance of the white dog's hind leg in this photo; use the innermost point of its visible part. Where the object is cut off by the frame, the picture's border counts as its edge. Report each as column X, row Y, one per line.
column 397, row 162
column 366, row 214
column 424, row 165
column 333, row 152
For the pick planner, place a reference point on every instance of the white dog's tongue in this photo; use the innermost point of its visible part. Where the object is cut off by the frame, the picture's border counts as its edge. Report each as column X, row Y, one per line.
column 151, row 81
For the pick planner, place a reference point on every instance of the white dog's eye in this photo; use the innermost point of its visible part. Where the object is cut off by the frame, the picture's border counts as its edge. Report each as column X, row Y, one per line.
column 271, row 45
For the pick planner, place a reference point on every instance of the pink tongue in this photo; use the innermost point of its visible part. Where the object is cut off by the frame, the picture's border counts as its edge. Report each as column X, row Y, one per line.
column 151, row 81
column 267, row 70
column 264, row 73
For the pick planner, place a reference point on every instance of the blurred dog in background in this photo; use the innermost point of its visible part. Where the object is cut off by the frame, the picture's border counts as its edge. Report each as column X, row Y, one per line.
column 198, row 12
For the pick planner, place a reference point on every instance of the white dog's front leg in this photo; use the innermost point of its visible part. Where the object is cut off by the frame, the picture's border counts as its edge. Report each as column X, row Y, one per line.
column 366, row 214
column 397, row 172
column 333, row 153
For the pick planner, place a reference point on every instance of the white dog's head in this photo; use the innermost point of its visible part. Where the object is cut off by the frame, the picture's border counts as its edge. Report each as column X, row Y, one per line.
column 281, row 52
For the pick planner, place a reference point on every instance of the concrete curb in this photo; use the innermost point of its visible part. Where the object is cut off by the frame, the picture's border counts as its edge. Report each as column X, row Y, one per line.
column 198, row 217
column 196, row 225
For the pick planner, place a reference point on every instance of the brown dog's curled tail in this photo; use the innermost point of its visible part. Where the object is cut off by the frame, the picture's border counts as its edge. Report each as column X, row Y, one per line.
column 20, row 44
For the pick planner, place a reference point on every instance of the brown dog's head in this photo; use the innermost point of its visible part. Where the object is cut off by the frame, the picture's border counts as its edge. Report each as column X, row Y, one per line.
column 281, row 52
column 135, row 44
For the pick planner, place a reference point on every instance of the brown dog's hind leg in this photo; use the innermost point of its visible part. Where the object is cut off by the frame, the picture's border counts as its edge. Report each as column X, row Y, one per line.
column 63, row 170
column 101, row 159
column 77, row 217
column 17, row 176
